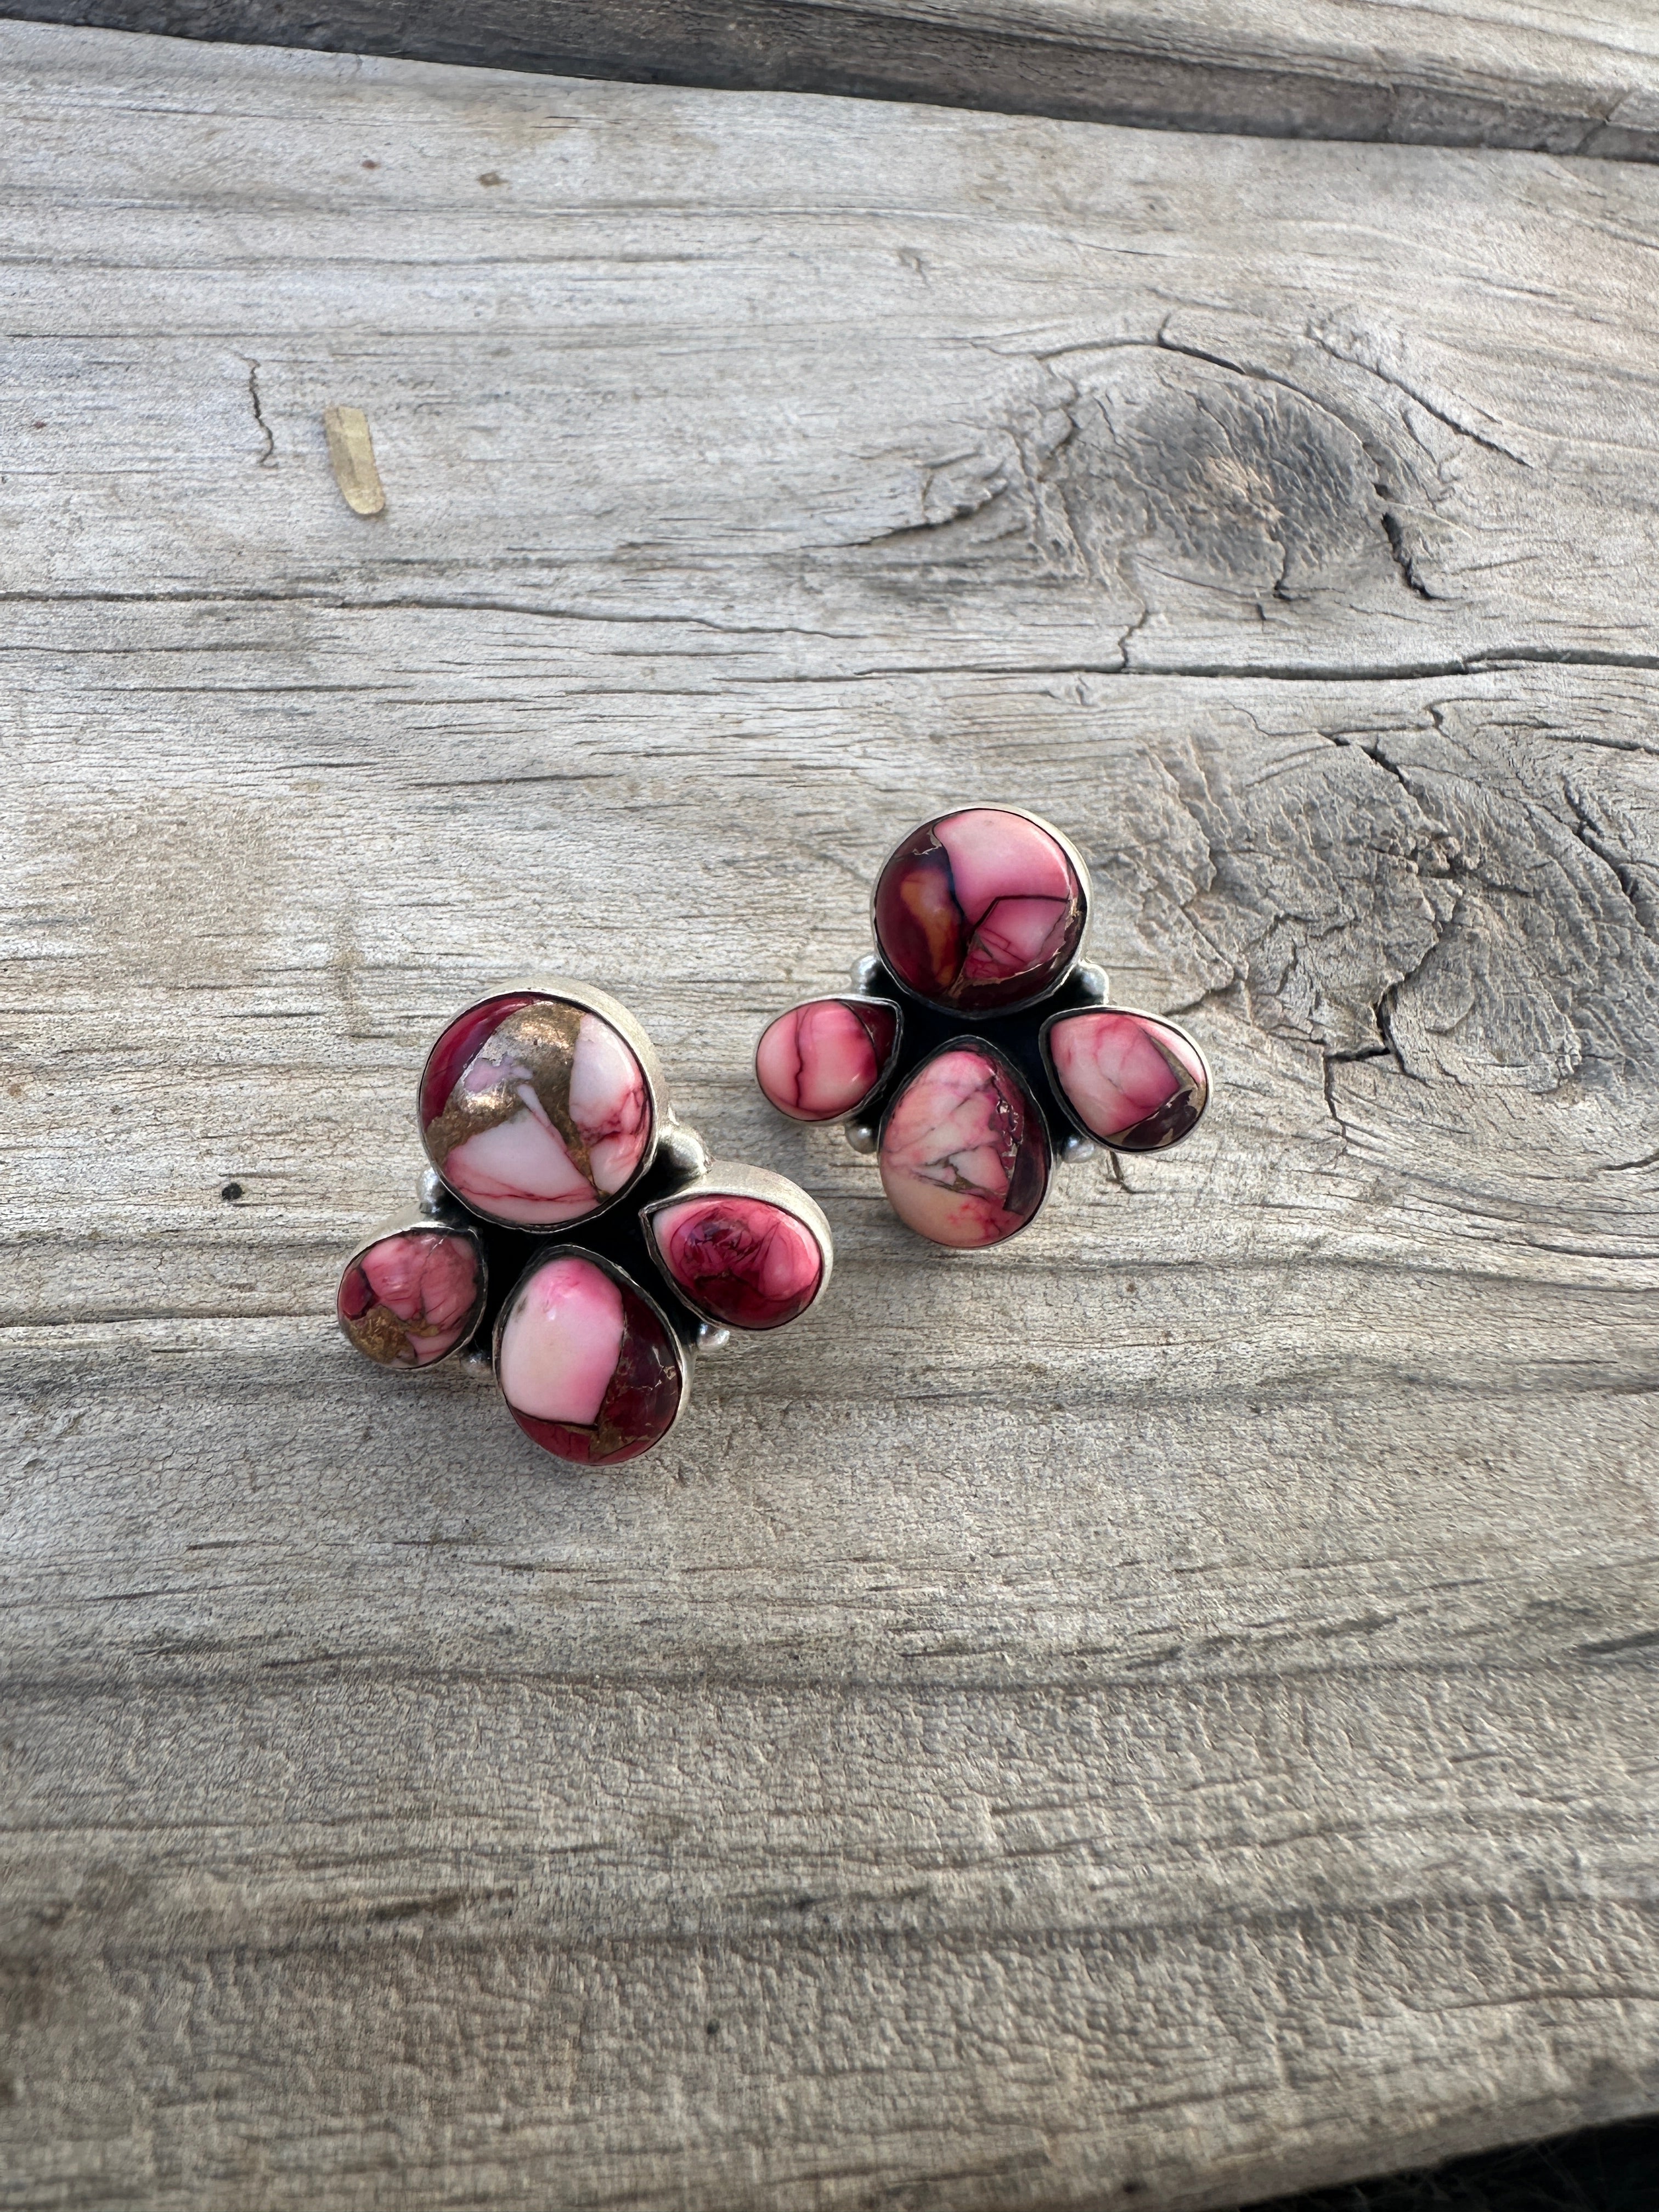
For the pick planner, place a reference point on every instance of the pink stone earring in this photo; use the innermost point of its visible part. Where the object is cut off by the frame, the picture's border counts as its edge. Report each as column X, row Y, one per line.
column 975, row 1049
column 561, row 1186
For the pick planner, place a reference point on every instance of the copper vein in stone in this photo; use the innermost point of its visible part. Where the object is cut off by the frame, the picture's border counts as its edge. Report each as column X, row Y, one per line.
column 410, row 1298
column 535, row 1111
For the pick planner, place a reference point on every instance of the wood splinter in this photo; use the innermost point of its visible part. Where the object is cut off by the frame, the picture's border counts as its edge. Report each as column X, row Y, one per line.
column 351, row 451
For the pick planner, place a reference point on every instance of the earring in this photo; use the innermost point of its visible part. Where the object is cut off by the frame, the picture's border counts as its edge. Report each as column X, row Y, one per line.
column 571, row 1225
column 974, row 1048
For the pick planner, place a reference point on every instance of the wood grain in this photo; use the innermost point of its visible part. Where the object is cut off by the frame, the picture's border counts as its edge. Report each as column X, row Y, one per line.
column 1156, row 1715
column 1537, row 75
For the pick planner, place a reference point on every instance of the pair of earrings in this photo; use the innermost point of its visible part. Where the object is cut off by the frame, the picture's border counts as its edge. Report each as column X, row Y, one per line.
column 974, row 1049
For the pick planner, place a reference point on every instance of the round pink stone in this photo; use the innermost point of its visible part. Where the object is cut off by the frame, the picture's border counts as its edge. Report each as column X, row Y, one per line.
column 980, row 911
column 964, row 1152
column 410, row 1298
column 1134, row 1083
column 740, row 1261
column 822, row 1061
column 534, row 1111
column 586, row 1365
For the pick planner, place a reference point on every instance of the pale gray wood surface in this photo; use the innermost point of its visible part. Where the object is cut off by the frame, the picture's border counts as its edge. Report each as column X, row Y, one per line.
column 1550, row 75
column 1159, row 1713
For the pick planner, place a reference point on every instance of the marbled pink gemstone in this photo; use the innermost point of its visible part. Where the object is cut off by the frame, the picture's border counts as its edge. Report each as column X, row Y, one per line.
column 586, row 1365
column 410, row 1298
column 964, row 1152
column 822, row 1061
column 740, row 1261
column 535, row 1111
column 980, row 911
column 1134, row 1083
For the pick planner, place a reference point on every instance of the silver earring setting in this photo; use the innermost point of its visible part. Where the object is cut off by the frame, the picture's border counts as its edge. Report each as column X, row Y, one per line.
column 977, row 1048
column 571, row 1232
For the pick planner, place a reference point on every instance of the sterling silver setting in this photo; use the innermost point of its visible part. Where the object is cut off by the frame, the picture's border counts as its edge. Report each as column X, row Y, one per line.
column 544, row 1115
column 981, row 918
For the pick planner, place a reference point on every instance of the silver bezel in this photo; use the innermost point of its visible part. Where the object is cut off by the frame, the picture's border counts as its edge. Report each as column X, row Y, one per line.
column 1080, row 865
column 841, row 999
column 971, row 1037
column 1129, row 1152
column 618, row 1275
column 592, row 1001
column 733, row 1179
column 404, row 1225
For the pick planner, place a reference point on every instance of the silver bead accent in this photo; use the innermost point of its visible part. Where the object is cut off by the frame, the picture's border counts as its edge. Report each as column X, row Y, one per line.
column 477, row 1361
column 683, row 1149
column 712, row 1338
column 430, row 1194
column 865, row 971
column 1075, row 1148
column 1092, row 981
column 861, row 1136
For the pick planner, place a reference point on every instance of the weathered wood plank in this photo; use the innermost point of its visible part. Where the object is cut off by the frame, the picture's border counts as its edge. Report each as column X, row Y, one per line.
column 1113, row 401
column 1520, row 74
column 1157, row 1714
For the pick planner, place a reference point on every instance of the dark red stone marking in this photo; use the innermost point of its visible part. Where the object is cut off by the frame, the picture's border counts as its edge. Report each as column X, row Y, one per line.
column 580, row 1340
column 980, row 911
column 740, row 1261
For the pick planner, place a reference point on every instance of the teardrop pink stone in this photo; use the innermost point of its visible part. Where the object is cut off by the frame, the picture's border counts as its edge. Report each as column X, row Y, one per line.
column 411, row 1297
column 821, row 1059
column 1133, row 1082
column 740, row 1260
column 587, row 1368
column 964, row 1152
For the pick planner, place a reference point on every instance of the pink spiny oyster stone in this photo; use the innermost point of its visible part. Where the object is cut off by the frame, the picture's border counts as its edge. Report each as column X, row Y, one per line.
column 822, row 1061
column 964, row 1152
column 979, row 911
column 1134, row 1083
column 410, row 1298
column 588, row 1368
column 534, row 1111
column 739, row 1260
